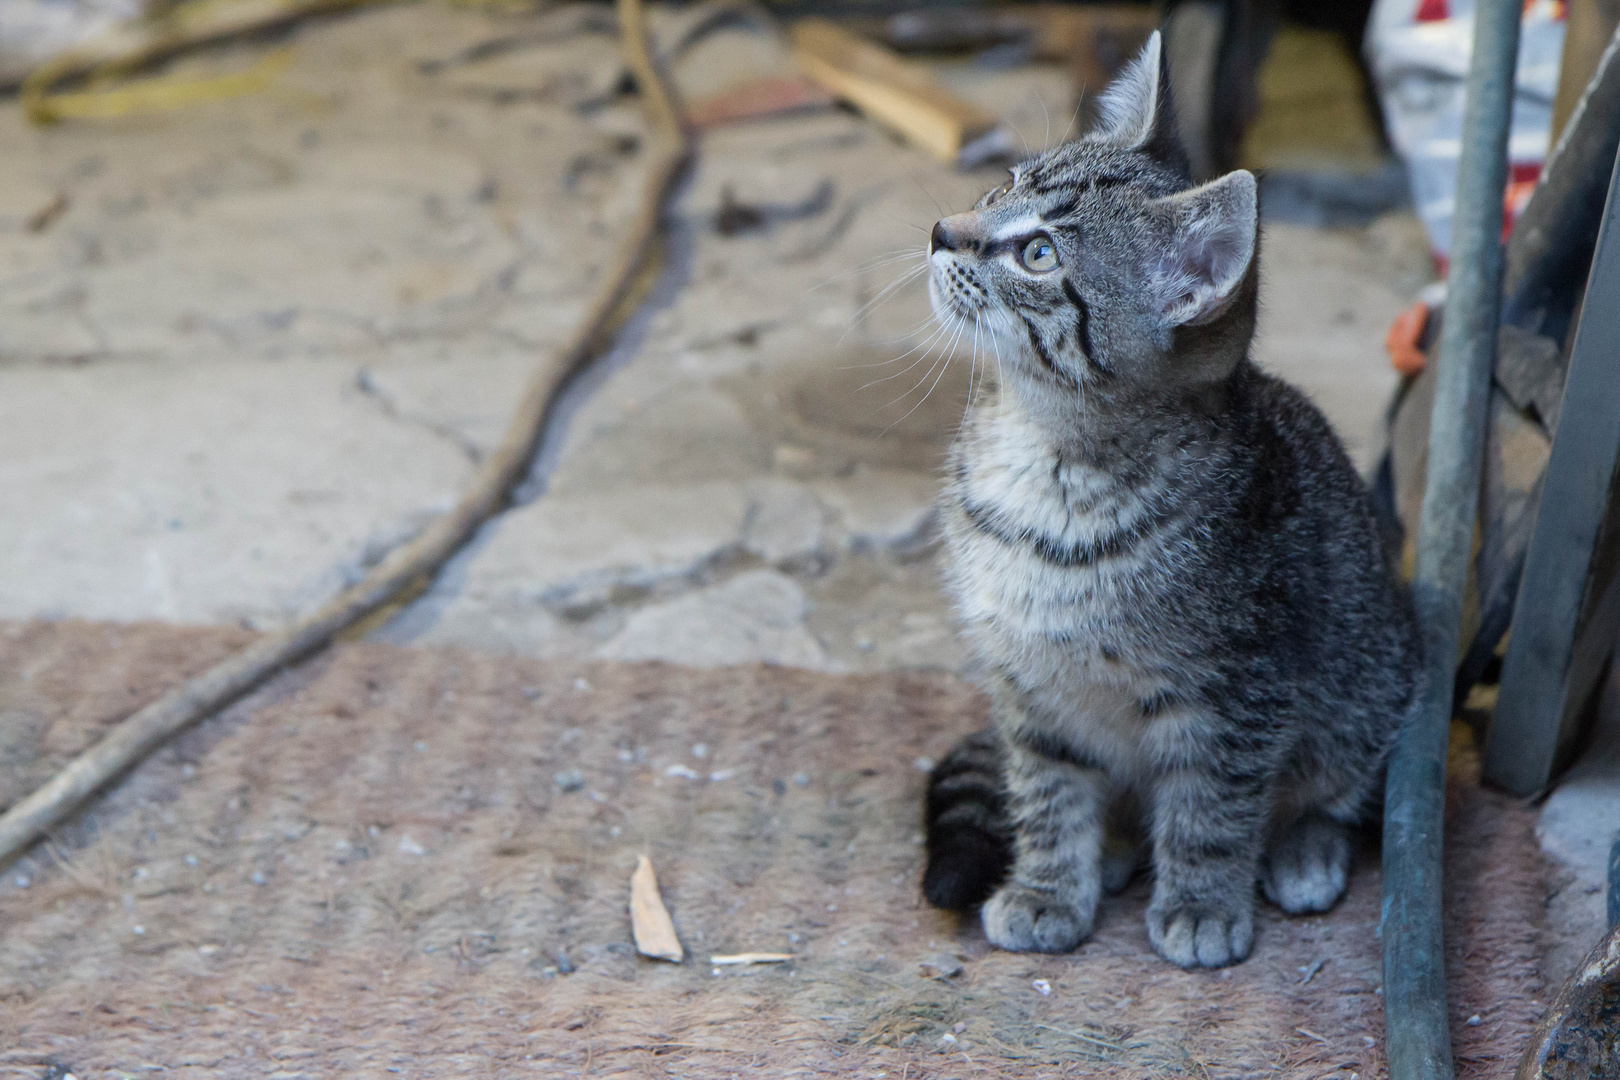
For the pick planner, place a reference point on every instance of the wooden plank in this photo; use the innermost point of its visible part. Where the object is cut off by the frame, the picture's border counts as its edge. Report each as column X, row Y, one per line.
column 1588, row 27
column 898, row 94
column 1567, row 615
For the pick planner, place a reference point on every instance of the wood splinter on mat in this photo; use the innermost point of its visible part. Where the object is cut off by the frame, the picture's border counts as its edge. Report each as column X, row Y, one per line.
column 649, row 919
column 753, row 958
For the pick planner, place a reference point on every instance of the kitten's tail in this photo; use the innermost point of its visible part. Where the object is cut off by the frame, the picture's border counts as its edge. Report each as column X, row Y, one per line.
column 970, row 842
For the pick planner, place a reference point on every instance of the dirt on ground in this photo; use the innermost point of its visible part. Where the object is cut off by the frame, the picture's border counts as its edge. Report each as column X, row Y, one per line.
column 415, row 862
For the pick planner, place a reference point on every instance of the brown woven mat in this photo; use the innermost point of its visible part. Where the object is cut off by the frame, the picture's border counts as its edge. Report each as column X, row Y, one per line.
column 372, row 868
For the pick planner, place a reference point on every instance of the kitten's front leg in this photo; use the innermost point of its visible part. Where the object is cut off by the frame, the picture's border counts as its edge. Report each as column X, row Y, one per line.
column 1207, row 829
column 1058, row 804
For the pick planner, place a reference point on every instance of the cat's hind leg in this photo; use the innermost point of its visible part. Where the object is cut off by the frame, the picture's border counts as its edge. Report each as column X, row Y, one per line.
column 1307, row 864
column 1058, row 802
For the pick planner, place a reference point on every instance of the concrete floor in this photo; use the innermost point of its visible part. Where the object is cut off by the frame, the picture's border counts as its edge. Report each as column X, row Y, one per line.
column 270, row 337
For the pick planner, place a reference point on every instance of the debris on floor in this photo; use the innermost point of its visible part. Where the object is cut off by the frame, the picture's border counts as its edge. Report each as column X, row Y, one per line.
column 649, row 919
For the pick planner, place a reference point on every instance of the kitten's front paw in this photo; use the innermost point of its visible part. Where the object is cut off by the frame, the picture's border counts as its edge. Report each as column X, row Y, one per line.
column 1033, row 920
column 1201, row 935
column 1307, row 866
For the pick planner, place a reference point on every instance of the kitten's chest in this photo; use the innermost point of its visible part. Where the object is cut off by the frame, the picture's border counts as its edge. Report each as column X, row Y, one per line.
column 1049, row 550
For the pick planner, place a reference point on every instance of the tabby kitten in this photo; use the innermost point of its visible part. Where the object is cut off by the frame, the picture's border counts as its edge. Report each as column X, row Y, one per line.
column 1166, row 566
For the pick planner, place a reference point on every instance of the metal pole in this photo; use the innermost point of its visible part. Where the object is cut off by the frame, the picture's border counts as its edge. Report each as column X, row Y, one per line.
column 1416, row 1030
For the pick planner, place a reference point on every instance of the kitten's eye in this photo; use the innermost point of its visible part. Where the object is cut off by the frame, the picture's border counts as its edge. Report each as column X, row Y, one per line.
column 1040, row 255
column 992, row 196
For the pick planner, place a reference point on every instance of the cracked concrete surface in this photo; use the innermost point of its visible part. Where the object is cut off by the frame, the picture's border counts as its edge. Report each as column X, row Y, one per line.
column 268, row 338
column 287, row 326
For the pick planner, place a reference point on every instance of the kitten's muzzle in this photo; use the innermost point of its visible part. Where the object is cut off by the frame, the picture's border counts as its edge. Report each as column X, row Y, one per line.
column 951, row 234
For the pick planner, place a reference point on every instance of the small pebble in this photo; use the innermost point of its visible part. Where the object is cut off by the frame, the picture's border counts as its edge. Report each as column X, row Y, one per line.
column 700, row 750
column 683, row 772
column 722, row 774
column 616, row 831
column 138, row 929
column 257, row 877
column 531, row 692
column 188, row 770
column 801, row 779
column 779, row 786
column 581, row 685
column 22, row 881
column 421, row 747
column 948, row 1039
column 407, row 846
column 569, row 780
column 626, row 757
column 959, row 1027
column 924, row 764
column 192, row 860
column 1042, row 987
column 1475, row 1020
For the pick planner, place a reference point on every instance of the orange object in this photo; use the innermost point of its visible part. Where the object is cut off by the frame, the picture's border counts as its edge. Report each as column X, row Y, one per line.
column 1405, row 355
column 756, row 100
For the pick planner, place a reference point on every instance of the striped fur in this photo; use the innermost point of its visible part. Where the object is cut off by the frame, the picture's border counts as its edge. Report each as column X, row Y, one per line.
column 1162, row 559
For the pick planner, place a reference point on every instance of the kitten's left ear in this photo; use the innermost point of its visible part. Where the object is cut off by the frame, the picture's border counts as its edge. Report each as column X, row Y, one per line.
column 1212, row 240
column 1135, row 112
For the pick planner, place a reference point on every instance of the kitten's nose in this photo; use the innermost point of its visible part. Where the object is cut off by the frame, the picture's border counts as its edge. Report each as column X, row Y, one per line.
column 943, row 238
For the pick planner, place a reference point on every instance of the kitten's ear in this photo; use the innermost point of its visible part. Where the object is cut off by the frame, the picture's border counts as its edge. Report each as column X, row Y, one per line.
column 1212, row 241
column 1135, row 113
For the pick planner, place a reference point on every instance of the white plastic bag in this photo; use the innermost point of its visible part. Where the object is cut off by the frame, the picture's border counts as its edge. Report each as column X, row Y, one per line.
column 1418, row 51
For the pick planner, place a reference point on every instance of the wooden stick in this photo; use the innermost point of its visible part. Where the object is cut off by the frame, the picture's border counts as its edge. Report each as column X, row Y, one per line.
column 892, row 91
column 136, row 737
column 752, row 958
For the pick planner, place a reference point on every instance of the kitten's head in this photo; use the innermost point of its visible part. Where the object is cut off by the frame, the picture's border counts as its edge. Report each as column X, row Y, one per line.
column 1099, row 265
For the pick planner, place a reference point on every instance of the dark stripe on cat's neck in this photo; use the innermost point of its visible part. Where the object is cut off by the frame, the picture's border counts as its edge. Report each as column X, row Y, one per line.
column 1054, row 552
column 1082, row 325
column 1039, row 346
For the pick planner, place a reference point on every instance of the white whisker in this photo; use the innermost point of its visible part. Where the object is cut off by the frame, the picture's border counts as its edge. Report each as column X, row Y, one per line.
column 886, row 259
column 904, row 279
column 1079, row 101
column 944, row 366
column 927, row 347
